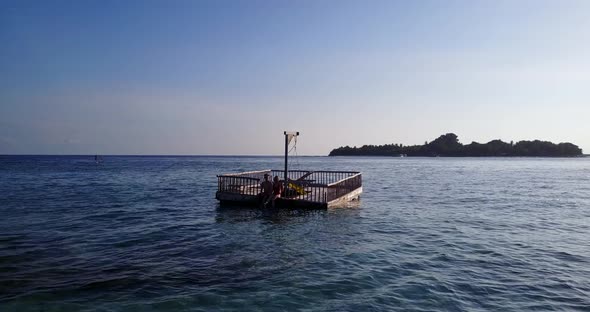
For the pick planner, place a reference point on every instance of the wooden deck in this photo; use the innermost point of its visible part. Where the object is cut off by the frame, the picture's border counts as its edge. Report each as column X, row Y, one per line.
column 317, row 189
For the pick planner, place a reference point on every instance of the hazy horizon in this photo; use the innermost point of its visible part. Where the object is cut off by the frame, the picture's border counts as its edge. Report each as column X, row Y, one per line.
column 292, row 152
column 228, row 77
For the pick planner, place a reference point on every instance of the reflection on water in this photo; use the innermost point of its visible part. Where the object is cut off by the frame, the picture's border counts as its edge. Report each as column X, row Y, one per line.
column 236, row 213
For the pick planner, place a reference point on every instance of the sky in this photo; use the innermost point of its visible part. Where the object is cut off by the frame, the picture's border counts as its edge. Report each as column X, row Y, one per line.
column 228, row 77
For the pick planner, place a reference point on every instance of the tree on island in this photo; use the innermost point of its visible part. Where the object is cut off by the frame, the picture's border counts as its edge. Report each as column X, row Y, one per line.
column 449, row 145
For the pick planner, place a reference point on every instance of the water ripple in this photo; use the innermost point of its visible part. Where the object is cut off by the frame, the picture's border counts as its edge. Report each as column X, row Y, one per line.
column 144, row 233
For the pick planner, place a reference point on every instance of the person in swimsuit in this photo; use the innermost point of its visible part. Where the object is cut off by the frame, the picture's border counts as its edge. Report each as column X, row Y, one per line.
column 277, row 189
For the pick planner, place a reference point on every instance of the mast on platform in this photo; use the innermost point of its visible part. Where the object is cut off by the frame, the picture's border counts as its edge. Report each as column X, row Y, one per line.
column 288, row 137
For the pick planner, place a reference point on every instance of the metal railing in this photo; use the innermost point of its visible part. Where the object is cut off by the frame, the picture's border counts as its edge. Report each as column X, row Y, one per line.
column 246, row 183
column 343, row 187
column 314, row 186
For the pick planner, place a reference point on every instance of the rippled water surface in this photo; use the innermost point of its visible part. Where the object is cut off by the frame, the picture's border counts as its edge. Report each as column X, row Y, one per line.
column 146, row 234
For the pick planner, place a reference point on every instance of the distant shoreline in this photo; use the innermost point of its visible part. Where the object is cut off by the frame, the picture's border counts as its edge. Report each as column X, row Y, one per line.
column 269, row 156
column 148, row 155
column 448, row 145
column 448, row 156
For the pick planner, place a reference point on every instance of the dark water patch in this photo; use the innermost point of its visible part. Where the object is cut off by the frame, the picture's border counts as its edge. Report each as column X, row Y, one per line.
column 568, row 257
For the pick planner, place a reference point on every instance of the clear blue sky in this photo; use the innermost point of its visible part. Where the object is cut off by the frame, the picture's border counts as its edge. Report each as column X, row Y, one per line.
column 227, row 77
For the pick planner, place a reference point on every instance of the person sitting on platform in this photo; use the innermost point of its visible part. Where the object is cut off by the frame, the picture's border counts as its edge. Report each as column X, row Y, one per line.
column 266, row 193
column 277, row 189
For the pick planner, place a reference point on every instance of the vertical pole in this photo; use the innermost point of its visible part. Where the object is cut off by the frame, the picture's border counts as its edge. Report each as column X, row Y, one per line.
column 286, row 154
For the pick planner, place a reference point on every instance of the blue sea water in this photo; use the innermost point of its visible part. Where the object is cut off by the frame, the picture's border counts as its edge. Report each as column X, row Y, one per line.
column 429, row 234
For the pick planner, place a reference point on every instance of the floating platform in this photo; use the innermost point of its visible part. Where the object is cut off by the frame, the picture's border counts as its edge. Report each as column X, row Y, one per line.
column 305, row 189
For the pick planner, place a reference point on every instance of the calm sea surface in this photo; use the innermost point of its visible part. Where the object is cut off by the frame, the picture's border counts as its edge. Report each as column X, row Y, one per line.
column 429, row 234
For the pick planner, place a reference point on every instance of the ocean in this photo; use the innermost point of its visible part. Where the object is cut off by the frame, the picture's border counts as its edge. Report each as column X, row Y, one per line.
column 429, row 234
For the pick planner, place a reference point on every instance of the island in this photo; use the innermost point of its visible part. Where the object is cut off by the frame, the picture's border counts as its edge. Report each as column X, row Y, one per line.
column 448, row 145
